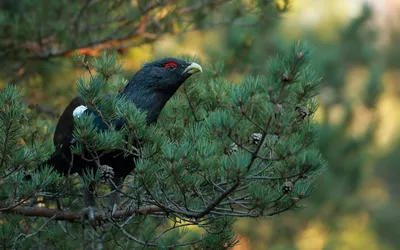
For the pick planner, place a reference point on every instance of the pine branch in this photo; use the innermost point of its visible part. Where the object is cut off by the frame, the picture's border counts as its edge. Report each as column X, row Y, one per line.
column 49, row 47
column 76, row 216
column 217, row 201
column 42, row 227
column 200, row 5
column 151, row 244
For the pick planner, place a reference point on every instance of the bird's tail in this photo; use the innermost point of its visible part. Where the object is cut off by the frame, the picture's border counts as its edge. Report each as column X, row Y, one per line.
column 59, row 161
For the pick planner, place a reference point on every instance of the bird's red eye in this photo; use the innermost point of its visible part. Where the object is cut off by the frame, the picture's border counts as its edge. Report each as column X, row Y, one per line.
column 170, row 65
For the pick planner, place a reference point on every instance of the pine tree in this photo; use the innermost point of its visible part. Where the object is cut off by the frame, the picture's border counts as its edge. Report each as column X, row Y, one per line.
column 218, row 152
column 346, row 144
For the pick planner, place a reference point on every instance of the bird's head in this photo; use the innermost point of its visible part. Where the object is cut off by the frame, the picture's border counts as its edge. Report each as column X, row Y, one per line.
column 165, row 75
column 153, row 85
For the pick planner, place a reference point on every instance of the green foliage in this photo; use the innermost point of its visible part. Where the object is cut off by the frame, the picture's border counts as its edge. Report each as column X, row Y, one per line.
column 18, row 151
column 188, row 155
column 219, row 151
column 226, row 237
column 207, row 134
column 346, row 142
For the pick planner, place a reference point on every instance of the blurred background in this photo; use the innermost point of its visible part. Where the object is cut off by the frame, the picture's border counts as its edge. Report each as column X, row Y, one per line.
column 356, row 203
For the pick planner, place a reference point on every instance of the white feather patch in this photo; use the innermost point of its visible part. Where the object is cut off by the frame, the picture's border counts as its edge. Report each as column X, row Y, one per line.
column 79, row 111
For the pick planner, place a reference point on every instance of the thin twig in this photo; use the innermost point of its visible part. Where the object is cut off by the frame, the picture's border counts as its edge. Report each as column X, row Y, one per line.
column 37, row 231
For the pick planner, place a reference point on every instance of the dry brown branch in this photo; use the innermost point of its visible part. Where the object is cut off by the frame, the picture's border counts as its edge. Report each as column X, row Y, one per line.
column 142, row 28
column 76, row 215
column 199, row 5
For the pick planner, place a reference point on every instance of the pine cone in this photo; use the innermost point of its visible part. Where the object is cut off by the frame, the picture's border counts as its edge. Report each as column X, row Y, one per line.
column 234, row 148
column 107, row 173
column 255, row 138
column 287, row 187
column 302, row 111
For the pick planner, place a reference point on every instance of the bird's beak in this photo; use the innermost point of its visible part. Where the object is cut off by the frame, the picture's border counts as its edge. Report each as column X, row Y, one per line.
column 192, row 68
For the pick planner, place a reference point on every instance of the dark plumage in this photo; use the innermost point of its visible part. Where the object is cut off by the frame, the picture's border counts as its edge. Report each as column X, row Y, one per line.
column 149, row 89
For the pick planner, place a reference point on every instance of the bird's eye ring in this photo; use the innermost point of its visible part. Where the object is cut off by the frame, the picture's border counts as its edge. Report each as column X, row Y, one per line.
column 171, row 66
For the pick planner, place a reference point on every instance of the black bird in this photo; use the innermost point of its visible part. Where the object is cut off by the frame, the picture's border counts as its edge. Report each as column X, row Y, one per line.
column 149, row 89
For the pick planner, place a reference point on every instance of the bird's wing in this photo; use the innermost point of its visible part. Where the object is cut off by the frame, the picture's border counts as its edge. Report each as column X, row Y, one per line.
column 61, row 159
column 101, row 125
column 63, row 135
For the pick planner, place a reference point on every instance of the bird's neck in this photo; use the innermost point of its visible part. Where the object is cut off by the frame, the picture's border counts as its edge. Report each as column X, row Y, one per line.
column 146, row 100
